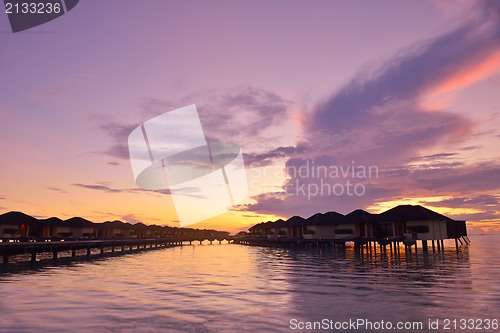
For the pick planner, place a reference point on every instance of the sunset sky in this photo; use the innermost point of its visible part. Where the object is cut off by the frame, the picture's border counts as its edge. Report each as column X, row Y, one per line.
column 410, row 87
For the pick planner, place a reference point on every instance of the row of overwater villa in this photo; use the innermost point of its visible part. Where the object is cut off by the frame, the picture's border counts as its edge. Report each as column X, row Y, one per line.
column 405, row 224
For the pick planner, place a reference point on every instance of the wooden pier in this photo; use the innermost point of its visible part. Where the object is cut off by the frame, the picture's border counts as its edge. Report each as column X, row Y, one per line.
column 361, row 244
column 84, row 247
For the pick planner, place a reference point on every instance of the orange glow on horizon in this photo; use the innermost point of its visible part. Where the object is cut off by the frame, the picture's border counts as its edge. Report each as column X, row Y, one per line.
column 425, row 202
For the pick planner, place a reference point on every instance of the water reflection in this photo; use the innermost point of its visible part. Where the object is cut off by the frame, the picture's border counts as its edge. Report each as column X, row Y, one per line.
column 236, row 288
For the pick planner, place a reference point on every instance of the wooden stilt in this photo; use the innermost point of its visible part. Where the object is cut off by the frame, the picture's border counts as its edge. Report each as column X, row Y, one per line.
column 424, row 246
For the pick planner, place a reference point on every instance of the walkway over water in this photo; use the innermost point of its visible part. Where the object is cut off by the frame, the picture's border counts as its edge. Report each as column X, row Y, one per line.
column 85, row 247
column 362, row 244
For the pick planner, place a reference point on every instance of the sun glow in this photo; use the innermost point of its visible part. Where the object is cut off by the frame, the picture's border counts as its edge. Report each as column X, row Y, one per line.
column 424, row 201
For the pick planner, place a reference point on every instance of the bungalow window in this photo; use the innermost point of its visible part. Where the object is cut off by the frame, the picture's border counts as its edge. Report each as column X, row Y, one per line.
column 308, row 231
column 385, row 229
column 344, row 232
column 421, row 229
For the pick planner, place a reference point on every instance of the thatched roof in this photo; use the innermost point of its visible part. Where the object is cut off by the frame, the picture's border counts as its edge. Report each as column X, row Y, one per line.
column 17, row 218
column 411, row 213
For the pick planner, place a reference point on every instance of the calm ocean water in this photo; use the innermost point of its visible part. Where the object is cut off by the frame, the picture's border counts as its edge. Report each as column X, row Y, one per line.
column 236, row 288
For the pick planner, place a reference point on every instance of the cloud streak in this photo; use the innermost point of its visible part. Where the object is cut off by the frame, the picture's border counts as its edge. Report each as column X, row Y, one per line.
column 185, row 191
column 103, row 188
column 57, row 189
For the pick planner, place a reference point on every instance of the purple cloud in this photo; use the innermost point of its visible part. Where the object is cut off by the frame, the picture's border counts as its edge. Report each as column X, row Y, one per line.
column 378, row 116
column 103, row 188
column 267, row 158
column 378, row 119
column 119, row 133
column 185, row 191
column 242, row 115
column 57, row 189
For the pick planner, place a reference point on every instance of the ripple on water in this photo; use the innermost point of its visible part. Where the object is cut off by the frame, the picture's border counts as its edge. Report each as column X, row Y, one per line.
column 233, row 288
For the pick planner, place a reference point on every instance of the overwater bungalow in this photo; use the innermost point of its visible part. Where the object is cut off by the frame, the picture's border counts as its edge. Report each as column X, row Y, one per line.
column 417, row 222
column 259, row 230
column 115, row 229
column 19, row 226
column 401, row 223
column 323, row 226
column 79, row 227
column 294, row 227
column 53, row 227
column 15, row 224
column 356, row 224
column 277, row 229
